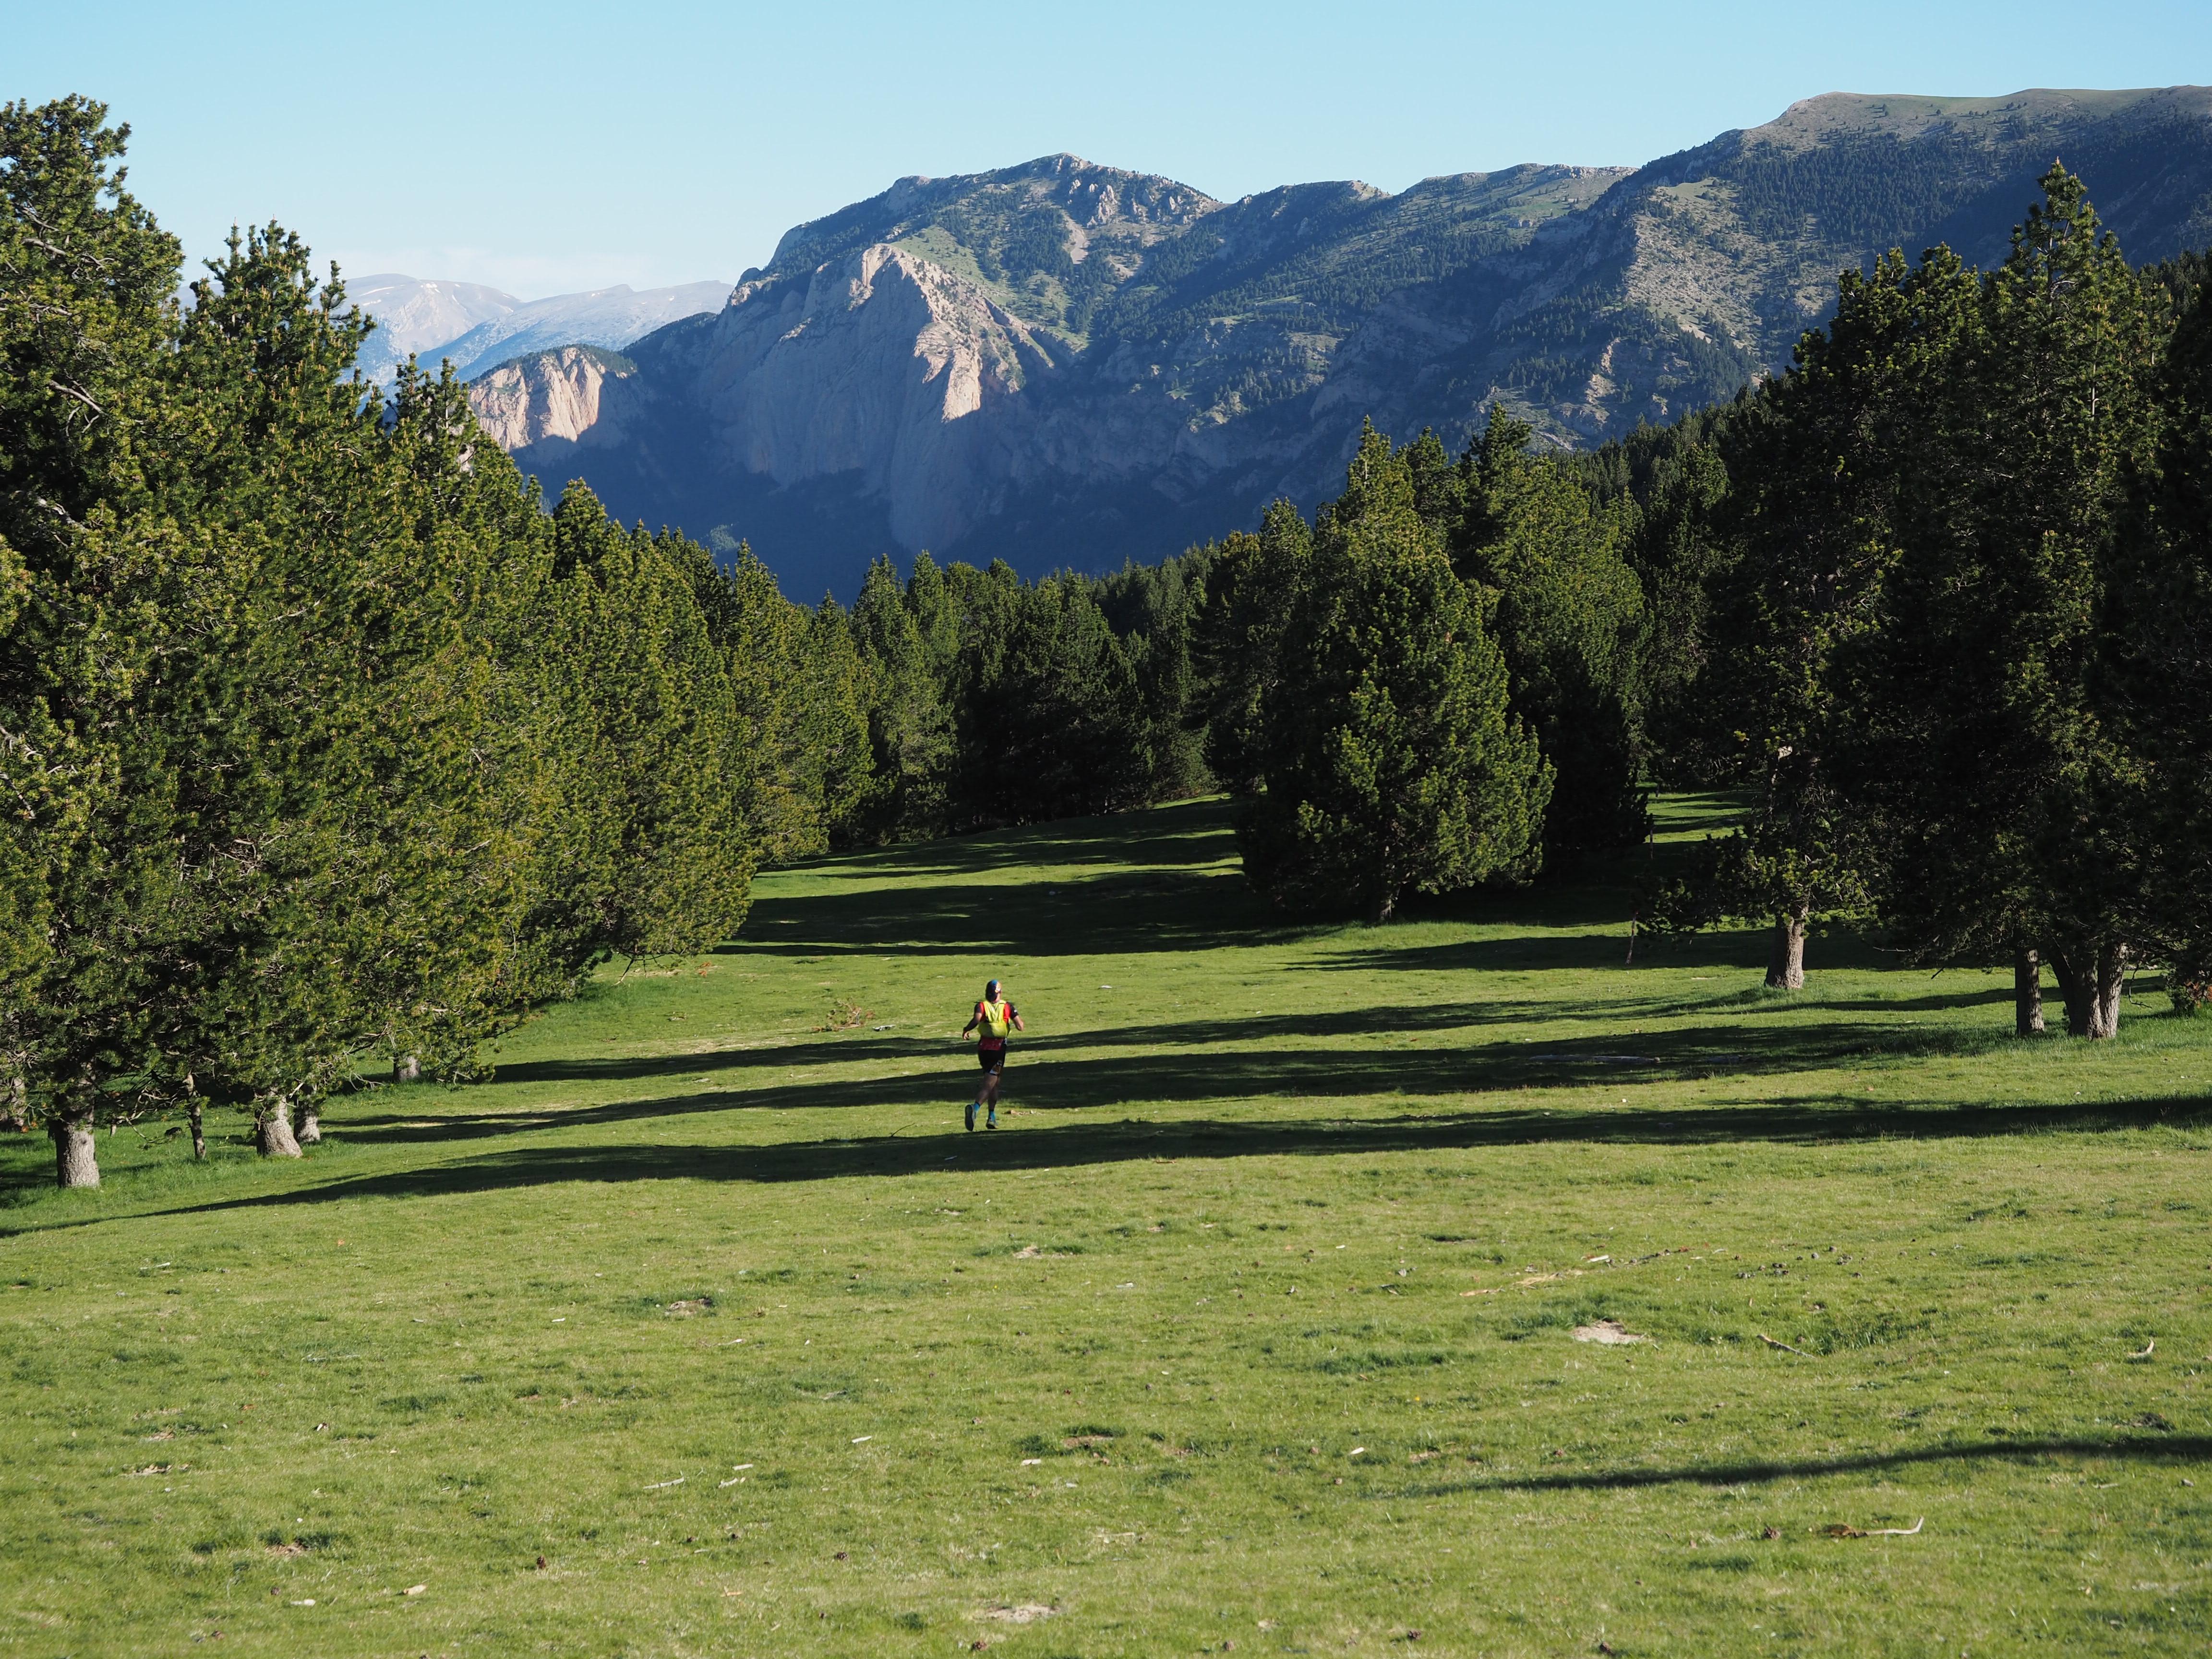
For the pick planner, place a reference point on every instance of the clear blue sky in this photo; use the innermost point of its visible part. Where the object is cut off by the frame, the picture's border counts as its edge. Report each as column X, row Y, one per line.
column 557, row 146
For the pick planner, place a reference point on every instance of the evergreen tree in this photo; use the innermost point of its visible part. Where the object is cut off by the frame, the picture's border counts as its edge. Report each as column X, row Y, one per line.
column 646, row 848
column 2158, row 630
column 1390, row 765
column 797, row 692
column 1153, row 610
column 1669, row 488
column 87, row 307
column 346, row 843
column 1568, row 613
column 835, row 728
column 1825, row 456
column 460, row 792
column 2005, row 792
column 1257, row 585
column 1050, row 722
column 910, row 719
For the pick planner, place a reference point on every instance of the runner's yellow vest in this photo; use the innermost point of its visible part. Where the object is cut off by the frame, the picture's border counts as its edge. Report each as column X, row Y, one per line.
column 997, row 1016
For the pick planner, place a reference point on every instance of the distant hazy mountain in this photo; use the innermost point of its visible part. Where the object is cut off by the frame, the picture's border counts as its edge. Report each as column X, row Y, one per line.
column 1065, row 363
column 414, row 315
column 478, row 327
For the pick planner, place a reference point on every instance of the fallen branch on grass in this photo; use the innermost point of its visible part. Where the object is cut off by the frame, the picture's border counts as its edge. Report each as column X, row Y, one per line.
column 1840, row 1530
column 1784, row 1346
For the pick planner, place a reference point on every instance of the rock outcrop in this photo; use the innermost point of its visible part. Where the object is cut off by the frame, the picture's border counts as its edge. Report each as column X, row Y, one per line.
column 880, row 364
column 577, row 395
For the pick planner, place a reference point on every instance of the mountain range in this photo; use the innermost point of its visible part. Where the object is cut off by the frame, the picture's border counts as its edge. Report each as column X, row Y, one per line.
column 475, row 327
column 1067, row 364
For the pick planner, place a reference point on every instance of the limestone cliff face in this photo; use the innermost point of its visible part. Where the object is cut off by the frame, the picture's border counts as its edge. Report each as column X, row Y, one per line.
column 578, row 395
column 880, row 364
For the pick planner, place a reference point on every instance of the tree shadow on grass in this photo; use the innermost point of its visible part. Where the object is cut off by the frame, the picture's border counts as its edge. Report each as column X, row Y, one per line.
column 1068, row 1145
column 1185, row 832
column 1193, row 1035
column 2166, row 1448
column 1125, row 914
column 1194, row 1060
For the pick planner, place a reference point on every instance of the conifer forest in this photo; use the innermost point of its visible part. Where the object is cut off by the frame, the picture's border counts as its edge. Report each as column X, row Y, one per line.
column 331, row 746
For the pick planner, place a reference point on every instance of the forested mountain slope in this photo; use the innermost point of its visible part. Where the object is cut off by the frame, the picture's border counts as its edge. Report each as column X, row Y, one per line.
column 1065, row 363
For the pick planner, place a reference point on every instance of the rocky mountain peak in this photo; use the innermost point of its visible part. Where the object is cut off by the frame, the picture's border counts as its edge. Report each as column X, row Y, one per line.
column 1061, row 361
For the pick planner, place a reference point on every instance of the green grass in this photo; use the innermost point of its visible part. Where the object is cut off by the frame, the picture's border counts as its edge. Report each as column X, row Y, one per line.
column 1252, row 1325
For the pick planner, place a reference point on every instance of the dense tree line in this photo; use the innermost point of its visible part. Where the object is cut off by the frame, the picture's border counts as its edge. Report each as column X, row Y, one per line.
column 1953, row 572
column 319, row 736
column 1436, row 684
column 324, row 736
column 991, row 701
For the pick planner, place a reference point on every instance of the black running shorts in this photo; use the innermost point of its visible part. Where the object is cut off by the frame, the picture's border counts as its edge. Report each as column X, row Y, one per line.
column 991, row 1060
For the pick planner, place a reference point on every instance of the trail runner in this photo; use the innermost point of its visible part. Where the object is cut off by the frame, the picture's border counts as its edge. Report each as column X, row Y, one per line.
column 993, row 1018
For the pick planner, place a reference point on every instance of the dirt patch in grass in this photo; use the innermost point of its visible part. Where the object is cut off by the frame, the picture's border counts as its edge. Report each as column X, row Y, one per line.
column 1023, row 1613
column 1610, row 1332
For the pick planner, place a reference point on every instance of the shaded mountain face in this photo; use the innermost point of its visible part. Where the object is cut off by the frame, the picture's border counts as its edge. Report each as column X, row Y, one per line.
column 476, row 328
column 1067, row 364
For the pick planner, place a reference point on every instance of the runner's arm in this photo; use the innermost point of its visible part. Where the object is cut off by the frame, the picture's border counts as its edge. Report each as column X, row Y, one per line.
column 1015, row 1015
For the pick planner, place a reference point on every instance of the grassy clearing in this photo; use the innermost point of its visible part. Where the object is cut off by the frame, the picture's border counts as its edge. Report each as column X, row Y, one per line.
column 1254, row 1324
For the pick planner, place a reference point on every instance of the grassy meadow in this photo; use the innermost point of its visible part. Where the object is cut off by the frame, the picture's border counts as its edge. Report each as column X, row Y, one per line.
column 706, row 1329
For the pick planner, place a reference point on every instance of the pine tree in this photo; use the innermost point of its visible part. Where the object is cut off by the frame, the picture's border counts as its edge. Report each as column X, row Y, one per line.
column 1153, row 610
column 348, row 832
column 909, row 721
column 1824, row 455
column 796, row 695
column 1568, row 613
column 2006, row 797
column 646, row 847
column 1669, row 488
column 86, row 286
column 836, row 757
column 2159, row 625
column 1390, row 764
column 1050, row 721
column 1257, row 585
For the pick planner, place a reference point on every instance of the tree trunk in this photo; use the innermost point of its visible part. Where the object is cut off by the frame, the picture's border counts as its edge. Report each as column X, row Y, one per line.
column 76, row 1158
column 192, row 1112
column 2026, row 993
column 2073, row 986
column 2091, row 977
column 406, row 1068
column 1785, row 965
column 19, row 1104
column 275, row 1130
column 2111, row 978
column 311, row 1123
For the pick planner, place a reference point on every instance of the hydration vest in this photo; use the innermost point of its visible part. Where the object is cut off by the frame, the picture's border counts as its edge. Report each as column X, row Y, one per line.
column 997, row 1017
